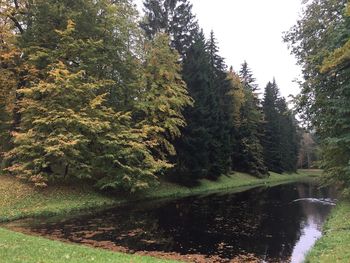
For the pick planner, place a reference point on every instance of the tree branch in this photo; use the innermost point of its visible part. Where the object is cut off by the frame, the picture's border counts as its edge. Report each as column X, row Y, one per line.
column 16, row 4
column 17, row 24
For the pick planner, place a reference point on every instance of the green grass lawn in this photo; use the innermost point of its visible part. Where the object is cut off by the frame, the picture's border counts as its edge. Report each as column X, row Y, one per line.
column 17, row 247
column 19, row 200
column 334, row 246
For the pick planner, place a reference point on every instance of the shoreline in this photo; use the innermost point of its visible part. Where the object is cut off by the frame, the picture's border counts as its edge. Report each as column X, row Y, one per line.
column 27, row 202
column 24, row 201
column 334, row 245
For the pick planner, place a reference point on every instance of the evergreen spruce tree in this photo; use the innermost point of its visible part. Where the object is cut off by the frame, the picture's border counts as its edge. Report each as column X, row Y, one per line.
column 289, row 145
column 247, row 78
column 272, row 137
column 248, row 153
column 280, row 141
column 220, row 87
column 193, row 147
column 173, row 17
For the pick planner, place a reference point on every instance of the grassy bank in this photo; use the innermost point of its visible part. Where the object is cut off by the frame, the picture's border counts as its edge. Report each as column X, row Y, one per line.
column 19, row 200
column 334, row 246
column 17, row 247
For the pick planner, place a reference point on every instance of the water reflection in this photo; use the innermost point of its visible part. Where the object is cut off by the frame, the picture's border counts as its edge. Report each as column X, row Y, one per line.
column 316, row 210
column 277, row 224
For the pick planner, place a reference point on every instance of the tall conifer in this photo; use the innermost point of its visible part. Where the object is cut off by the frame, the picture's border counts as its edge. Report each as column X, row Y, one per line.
column 193, row 147
column 248, row 153
column 280, row 140
column 173, row 17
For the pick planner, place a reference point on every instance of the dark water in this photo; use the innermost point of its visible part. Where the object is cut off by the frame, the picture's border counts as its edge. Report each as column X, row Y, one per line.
column 277, row 224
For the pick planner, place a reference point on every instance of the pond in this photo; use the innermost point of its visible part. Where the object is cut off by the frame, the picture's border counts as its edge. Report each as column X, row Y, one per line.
column 267, row 224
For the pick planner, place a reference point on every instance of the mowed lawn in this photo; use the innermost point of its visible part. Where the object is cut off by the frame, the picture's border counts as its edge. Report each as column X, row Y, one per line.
column 334, row 246
column 17, row 247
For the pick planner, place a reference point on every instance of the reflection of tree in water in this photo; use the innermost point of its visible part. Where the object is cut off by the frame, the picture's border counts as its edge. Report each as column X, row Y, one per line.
column 315, row 213
column 262, row 221
column 255, row 221
column 213, row 225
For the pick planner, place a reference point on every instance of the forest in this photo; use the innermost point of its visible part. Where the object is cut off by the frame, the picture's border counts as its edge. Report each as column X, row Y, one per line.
column 126, row 136
column 92, row 91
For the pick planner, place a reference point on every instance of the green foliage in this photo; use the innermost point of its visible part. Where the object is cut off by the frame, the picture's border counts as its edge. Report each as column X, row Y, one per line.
column 272, row 137
column 84, row 95
column 71, row 125
column 99, row 37
column 67, row 130
column 320, row 41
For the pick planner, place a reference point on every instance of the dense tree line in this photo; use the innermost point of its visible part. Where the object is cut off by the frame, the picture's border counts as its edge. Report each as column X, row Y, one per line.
column 321, row 42
column 90, row 91
column 280, row 140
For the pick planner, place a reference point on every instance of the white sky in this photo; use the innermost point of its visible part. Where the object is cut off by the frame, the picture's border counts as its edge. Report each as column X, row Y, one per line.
column 251, row 30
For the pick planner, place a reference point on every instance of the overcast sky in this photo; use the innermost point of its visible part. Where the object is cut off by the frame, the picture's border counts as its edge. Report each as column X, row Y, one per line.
column 251, row 30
